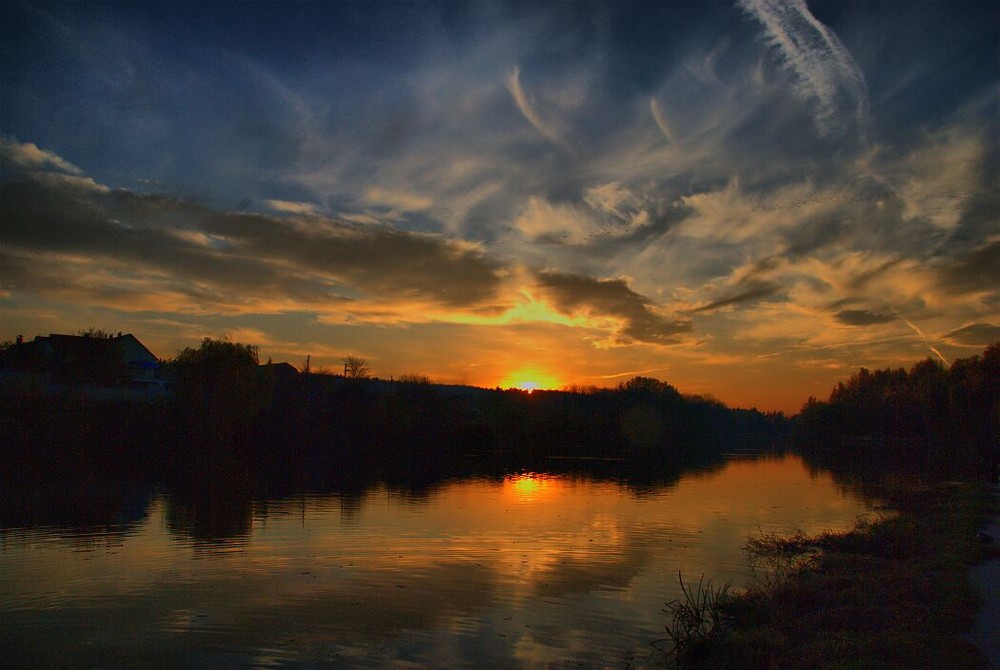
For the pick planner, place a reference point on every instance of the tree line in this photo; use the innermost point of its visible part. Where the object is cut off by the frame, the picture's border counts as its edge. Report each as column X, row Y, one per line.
column 928, row 419
column 310, row 421
column 230, row 414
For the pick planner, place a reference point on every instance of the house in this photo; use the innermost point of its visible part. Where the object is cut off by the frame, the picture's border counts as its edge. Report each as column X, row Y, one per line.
column 279, row 372
column 145, row 374
column 280, row 377
column 116, row 366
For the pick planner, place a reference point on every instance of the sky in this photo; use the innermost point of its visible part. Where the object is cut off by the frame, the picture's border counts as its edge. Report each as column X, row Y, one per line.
column 748, row 199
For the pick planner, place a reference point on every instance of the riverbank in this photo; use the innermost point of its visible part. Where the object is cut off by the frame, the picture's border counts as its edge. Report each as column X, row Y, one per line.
column 894, row 593
column 985, row 578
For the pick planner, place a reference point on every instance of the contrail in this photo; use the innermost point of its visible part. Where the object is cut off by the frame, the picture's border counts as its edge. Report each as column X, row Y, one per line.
column 826, row 71
column 929, row 345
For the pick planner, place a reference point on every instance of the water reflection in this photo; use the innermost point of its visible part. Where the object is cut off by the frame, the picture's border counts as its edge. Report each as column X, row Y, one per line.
column 502, row 569
column 210, row 517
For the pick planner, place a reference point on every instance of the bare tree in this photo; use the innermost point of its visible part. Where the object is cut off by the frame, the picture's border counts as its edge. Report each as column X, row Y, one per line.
column 356, row 367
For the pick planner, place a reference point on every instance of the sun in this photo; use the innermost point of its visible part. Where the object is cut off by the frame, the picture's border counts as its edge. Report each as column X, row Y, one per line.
column 529, row 380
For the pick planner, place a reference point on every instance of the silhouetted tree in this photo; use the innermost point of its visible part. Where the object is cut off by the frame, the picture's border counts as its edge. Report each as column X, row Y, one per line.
column 649, row 385
column 356, row 367
column 941, row 421
column 414, row 378
column 220, row 389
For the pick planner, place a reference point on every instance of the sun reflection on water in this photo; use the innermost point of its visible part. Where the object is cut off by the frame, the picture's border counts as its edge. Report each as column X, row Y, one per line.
column 529, row 487
column 538, row 568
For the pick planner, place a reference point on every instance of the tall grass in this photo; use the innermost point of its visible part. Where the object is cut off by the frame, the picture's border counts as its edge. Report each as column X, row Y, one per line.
column 892, row 593
column 693, row 619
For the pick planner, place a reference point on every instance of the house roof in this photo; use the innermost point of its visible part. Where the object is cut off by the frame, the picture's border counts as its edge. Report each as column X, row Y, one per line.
column 282, row 370
column 135, row 352
column 75, row 346
column 78, row 347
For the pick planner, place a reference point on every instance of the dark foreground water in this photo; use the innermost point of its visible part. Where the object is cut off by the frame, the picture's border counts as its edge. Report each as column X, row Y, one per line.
column 530, row 570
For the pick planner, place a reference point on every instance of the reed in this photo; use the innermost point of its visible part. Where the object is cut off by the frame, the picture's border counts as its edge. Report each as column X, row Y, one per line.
column 891, row 593
column 693, row 619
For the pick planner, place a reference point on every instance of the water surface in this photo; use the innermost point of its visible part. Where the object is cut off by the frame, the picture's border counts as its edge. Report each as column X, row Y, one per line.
column 527, row 570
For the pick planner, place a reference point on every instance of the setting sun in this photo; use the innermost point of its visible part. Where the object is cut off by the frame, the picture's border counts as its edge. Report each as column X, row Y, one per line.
column 554, row 225
column 530, row 380
column 473, row 334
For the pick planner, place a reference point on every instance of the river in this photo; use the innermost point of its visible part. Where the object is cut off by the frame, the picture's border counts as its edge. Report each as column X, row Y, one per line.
column 527, row 569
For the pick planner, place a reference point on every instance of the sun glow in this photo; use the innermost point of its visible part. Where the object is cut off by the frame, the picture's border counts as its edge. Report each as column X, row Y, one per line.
column 530, row 380
column 529, row 487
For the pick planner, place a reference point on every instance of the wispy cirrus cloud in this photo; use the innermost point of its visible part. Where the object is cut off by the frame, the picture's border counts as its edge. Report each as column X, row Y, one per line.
column 229, row 260
column 545, row 222
column 402, row 200
column 344, row 187
column 974, row 335
column 292, row 207
column 128, row 251
column 661, row 120
column 548, row 129
column 827, row 73
column 745, row 294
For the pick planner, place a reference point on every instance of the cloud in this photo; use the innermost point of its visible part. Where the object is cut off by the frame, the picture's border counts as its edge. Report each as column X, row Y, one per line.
column 661, row 120
column 543, row 221
column 699, row 173
column 974, row 335
column 974, row 272
column 397, row 199
column 292, row 207
column 752, row 293
column 610, row 198
column 517, row 92
column 604, row 212
column 640, row 319
column 27, row 155
column 863, row 317
column 621, row 208
column 25, row 161
column 927, row 190
column 826, row 71
column 227, row 261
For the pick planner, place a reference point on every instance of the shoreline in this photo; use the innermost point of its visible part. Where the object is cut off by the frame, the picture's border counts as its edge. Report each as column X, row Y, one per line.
column 894, row 593
column 985, row 577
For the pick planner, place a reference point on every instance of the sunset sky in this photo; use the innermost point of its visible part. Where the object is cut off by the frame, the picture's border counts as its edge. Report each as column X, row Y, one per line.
column 749, row 199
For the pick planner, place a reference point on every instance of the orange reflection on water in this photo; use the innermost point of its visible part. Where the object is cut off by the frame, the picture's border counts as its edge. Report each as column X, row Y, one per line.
column 530, row 487
column 537, row 570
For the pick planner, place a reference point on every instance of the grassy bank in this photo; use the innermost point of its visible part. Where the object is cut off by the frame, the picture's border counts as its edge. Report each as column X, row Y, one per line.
column 890, row 594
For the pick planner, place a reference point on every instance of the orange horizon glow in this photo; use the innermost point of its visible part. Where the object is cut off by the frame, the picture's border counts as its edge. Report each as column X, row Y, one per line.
column 503, row 218
column 531, row 379
column 544, row 358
